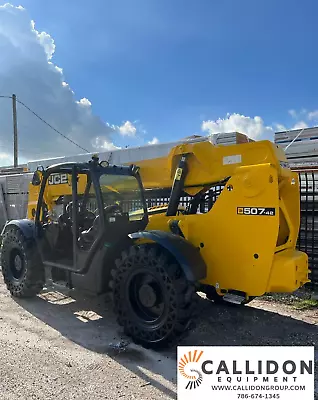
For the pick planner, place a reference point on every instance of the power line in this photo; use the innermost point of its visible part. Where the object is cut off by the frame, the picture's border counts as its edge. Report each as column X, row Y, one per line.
column 46, row 123
column 52, row 127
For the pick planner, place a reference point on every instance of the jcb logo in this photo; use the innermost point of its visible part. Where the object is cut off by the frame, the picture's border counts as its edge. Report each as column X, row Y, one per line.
column 58, row 179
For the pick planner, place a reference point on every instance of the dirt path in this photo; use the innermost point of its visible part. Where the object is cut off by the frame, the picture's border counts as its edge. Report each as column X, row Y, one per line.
column 56, row 346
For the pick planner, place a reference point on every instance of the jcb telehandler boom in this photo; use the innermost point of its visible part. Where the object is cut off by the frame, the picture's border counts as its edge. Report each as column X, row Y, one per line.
column 88, row 225
column 247, row 237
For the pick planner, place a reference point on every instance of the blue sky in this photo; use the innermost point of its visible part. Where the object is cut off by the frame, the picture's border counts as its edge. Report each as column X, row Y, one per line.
column 168, row 66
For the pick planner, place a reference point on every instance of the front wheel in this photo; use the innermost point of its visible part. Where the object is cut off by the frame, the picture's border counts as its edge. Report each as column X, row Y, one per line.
column 22, row 270
column 152, row 298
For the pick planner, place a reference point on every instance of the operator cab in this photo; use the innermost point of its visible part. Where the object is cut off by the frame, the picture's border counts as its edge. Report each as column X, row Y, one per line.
column 96, row 202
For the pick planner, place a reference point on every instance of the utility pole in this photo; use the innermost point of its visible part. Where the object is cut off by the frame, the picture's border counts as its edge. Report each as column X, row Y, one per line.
column 15, row 130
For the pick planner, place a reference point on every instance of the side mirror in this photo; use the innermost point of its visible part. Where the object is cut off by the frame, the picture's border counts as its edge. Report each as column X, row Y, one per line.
column 104, row 164
column 36, row 180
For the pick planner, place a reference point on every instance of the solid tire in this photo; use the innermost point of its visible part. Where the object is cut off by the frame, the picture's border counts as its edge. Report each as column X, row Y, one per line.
column 32, row 278
column 179, row 294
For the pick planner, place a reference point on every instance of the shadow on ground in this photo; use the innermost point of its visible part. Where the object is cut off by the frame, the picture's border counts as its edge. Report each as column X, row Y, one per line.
column 90, row 323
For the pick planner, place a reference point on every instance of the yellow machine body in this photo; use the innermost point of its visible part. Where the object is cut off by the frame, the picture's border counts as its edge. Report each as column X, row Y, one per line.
column 244, row 251
column 248, row 238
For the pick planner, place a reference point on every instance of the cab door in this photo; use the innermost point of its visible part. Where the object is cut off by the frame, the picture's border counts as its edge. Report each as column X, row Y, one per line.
column 52, row 219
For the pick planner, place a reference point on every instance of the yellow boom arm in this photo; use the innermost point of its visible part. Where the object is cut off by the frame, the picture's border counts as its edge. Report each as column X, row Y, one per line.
column 248, row 238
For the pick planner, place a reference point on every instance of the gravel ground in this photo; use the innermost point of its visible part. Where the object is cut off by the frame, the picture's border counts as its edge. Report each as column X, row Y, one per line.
column 61, row 347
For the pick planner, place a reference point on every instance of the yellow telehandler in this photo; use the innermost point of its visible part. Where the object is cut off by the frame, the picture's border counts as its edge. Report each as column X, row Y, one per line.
column 89, row 226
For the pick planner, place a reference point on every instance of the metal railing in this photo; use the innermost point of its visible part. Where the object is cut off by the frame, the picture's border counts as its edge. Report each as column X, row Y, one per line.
column 308, row 232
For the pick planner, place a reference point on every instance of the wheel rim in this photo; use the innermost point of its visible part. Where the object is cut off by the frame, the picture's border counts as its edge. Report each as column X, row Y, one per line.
column 17, row 265
column 146, row 297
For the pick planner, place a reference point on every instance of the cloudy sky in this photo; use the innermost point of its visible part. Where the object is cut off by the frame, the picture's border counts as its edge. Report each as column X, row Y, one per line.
column 116, row 73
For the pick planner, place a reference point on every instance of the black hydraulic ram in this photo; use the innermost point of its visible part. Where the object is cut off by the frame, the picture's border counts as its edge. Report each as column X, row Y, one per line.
column 177, row 187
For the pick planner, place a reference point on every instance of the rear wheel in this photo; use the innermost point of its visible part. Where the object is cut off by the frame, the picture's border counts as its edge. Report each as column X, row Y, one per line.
column 22, row 270
column 152, row 298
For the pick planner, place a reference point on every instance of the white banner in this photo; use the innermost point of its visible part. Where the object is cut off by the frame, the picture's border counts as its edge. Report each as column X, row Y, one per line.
column 233, row 372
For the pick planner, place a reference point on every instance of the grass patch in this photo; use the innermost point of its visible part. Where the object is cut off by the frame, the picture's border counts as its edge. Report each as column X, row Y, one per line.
column 301, row 299
column 305, row 304
column 283, row 298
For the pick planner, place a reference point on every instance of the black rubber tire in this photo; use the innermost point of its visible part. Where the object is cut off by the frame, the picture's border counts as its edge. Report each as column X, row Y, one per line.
column 31, row 277
column 179, row 304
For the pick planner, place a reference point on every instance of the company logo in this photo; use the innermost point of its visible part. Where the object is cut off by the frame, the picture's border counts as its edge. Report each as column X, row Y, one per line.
column 57, row 179
column 231, row 372
column 189, row 370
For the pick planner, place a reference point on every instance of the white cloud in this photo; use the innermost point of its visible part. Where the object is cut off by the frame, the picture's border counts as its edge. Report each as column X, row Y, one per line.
column 27, row 69
column 154, row 141
column 297, row 114
column 293, row 113
column 280, row 127
column 5, row 158
column 252, row 127
column 127, row 129
column 255, row 127
column 46, row 41
column 101, row 144
column 313, row 115
column 83, row 102
column 300, row 125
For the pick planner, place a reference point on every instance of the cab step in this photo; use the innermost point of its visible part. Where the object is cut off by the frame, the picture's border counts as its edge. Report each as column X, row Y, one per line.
column 234, row 298
column 61, row 285
column 57, row 283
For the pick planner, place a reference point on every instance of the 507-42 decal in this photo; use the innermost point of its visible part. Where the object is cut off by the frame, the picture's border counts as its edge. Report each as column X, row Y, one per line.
column 269, row 211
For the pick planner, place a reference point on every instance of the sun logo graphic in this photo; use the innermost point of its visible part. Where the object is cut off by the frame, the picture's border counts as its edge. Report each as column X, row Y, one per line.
column 189, row 370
